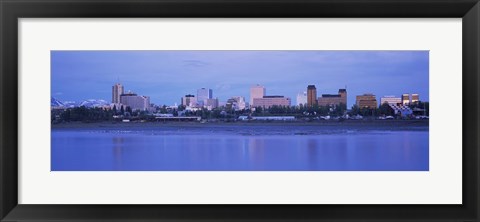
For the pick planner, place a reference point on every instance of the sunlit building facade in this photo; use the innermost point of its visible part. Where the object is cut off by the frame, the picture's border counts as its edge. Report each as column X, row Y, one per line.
column 405, row 99
column 333, row 99
column 256, row 91
column 367, row 100
column 269, row 101
column 311, row 95
column 409, row 99
column 415, row 98
column 391, row 100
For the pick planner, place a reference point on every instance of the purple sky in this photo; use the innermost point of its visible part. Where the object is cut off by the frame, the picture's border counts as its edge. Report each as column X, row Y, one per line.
column 166, row 76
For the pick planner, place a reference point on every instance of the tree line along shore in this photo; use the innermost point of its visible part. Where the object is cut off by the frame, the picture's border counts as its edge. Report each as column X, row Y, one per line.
column 296, row 114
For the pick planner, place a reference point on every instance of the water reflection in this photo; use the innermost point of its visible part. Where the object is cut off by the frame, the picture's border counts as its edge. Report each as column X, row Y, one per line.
column 117, row 152
column 312, row 153
column 402, row 150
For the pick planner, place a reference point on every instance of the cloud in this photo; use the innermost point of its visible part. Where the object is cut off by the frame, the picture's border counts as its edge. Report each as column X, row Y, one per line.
column 223, row 86
column 194, row 63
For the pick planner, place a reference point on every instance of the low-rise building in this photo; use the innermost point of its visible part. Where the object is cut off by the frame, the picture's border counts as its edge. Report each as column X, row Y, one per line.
column 367, row 100
column 236, row 103
column 269, row 101
column 333, row 99
column 391, row 100
column 211, row 103
column 401, row 110
column 277, row 118
column 189, row 100
column 410, row 98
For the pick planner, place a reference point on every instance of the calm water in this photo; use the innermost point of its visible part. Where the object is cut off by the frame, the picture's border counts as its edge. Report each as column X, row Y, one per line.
column 238, row 148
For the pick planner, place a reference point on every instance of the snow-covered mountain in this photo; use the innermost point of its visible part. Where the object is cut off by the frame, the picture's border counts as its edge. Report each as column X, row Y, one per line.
column 70, row 104
column 56, row 103
column 94, row 103
column 90, row 103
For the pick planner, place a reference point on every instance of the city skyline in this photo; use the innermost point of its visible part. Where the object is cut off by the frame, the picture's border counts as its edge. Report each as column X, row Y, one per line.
column 166, row 76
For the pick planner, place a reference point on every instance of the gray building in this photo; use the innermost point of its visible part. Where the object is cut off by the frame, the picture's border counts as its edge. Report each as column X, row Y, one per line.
column 189, row 100
column 117, row 91
column 135, row 102
column 203, row 94
column 211, row 103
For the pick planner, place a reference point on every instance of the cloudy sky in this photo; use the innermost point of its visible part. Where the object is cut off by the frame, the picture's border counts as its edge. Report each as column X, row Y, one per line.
column 166, row 76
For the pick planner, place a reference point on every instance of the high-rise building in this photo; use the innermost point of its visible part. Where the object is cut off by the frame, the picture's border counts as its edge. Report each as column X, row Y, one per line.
column 302, row 99
column 268, row 101
column 256, row 91
column 203, row 94
column 333, row 99
column 405, row 99
column 117, row 91
column 189, row 100
column 415, row 98
column 367, row 101
column 343, row 94
column 311, row 95
column 391, row 100
column 134, row 101
column 211, row 103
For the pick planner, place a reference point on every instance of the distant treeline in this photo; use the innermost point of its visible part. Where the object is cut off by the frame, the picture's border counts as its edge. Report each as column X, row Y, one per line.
column 85, row 114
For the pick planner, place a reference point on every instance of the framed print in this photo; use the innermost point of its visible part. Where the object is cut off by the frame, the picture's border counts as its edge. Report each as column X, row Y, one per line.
column 226, row 110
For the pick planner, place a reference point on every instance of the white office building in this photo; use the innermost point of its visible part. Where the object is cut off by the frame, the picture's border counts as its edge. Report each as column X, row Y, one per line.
column 391, row 100
column 135, row 102
column 237, row 103
column 302, row 99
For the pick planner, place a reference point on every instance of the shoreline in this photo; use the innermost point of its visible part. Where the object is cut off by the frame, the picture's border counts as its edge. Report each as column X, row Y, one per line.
column 393, row 125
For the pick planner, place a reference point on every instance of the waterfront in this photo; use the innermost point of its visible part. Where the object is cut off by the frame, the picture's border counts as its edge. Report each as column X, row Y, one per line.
column 350, row 146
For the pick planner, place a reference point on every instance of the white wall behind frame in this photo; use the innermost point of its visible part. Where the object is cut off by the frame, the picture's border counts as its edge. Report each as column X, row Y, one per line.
column 441, row 185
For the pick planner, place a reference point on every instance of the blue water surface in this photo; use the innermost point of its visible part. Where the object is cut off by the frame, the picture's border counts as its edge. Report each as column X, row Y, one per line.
column 238, row 150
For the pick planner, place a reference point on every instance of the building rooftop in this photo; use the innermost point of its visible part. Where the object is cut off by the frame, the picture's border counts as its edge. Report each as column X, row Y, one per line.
column 330, row 95
column 129, row 94
column 399, row 107
column 273, row 96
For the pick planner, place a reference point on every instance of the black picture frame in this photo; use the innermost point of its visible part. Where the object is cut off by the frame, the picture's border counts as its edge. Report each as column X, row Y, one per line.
column 12, row 10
